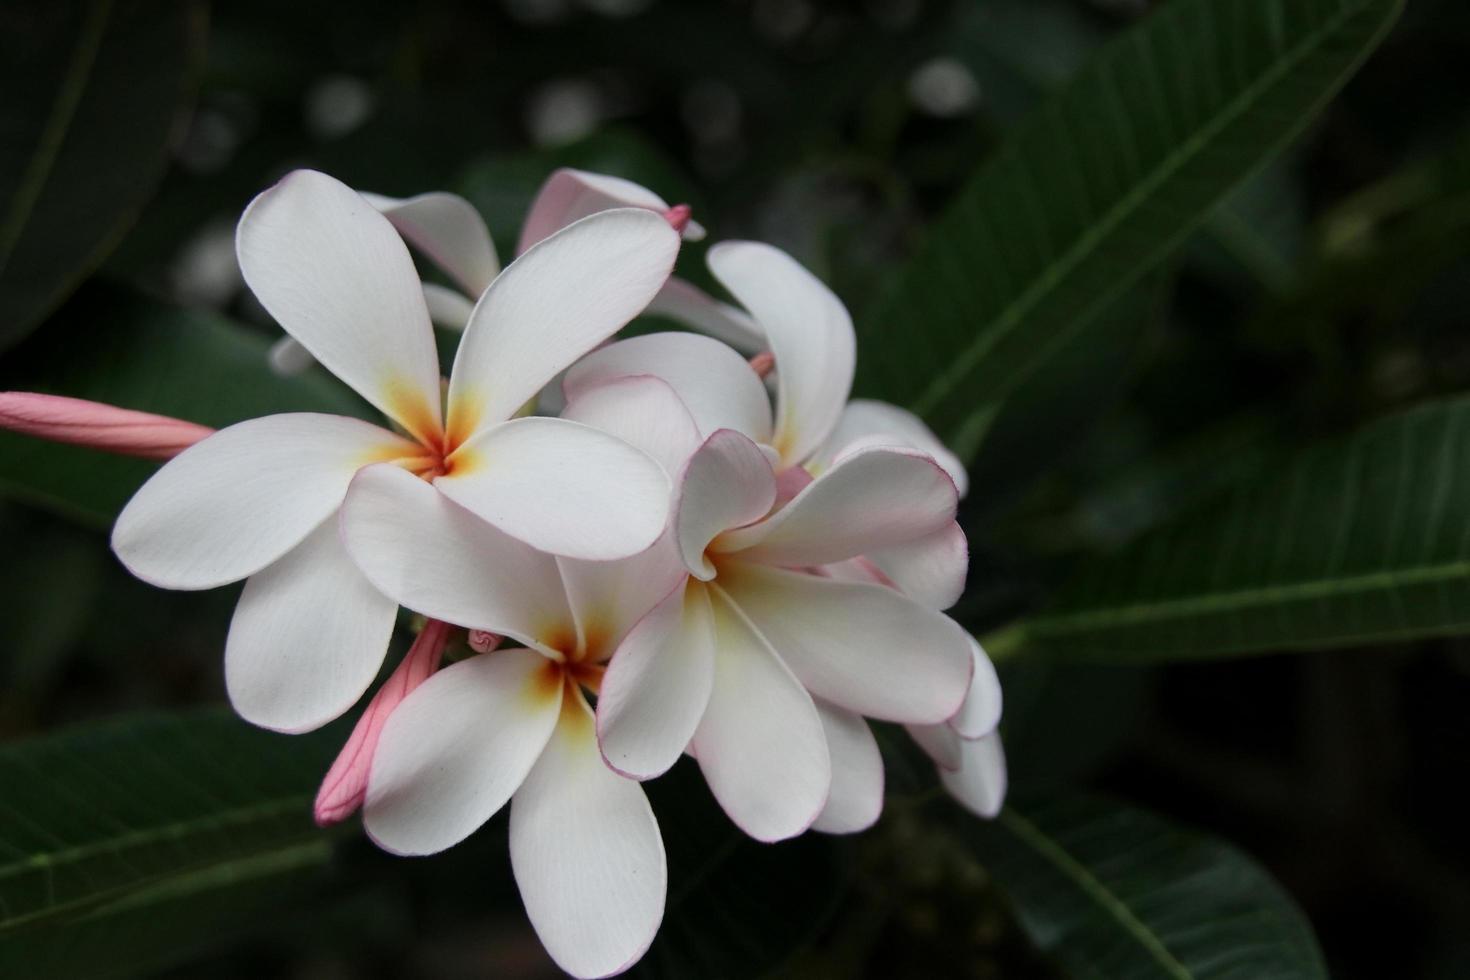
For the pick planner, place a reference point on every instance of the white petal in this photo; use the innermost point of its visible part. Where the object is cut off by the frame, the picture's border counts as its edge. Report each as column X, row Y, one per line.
column 760, row 744
column 856, row 800
column 447, row 308
column 555, row 303
column 587, row 854
column 288, row 358
column 570, row 195
column 609, row 597
column 233, row 503
column 436, row 558
column 307, row 638
column 930, row 570
column 656, row 688
column 336, row 276
column 562, row 487
column 727, row 483
column 644, row 412
column 940, row 742
column 455, row 750
column 871, row 500
column 980, row 782
column 863, row 647
column 449, row 231
column 716, row 384
column 809, row 332
column 980, row 714
column 687, row 304
column 871, row 422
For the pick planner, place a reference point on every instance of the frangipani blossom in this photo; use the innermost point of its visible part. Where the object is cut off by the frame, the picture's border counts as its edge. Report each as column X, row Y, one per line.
column 762, row 670
column 257, row 500
column 514, row 724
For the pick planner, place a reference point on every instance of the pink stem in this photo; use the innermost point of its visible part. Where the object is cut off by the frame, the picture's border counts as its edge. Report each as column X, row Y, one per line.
column 678, row 217
column 97, row 426
column 763, row 363
column 345, row 785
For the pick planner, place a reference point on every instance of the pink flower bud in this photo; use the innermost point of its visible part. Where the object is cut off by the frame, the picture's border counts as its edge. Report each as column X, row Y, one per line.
column 97, row 425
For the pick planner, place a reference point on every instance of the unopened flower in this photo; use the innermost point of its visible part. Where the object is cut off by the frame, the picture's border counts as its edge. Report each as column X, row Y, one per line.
column 256, row 500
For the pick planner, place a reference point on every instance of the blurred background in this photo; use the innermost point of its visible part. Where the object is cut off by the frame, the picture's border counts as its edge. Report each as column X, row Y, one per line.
column 1331, row 288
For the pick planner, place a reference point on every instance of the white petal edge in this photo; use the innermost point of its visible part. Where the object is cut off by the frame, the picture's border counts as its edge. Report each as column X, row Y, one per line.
column 448, row 231
column 336, row 275
column 863, row 647
column 569, row 195
column 644, row 412
column 980, row 713
column 760, row 744
column 455, row 750
column 856, row 800
column 562, row 487
column 687, row 304
column 980, row 782
column 657, row 686
column 436, row 558
column 717, row 385
column 866, row 421
column 587, row 854
column 726, row 484
column 231, row 504
column 307, row 638
column 563, row 297
column 930, row 570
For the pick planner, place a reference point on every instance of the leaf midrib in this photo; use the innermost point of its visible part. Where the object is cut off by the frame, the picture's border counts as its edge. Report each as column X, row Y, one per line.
column 1058, row 857
column 1241, row 599
column 1088, row 242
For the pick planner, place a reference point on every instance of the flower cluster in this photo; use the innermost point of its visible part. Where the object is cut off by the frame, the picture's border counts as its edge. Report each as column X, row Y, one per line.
column 659, row 546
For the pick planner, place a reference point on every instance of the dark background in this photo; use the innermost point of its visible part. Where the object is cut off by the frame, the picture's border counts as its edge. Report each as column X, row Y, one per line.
column 836, row 131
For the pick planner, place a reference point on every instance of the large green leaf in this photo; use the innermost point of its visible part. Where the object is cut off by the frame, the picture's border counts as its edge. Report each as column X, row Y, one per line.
column 1101, row 184
column 113, row 347
column 136, row 841
column 93, row 96
column 1363, row 539
column 1114, row 893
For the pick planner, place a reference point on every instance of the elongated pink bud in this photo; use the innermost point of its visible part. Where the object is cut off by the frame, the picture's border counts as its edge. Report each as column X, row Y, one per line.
column 763, row 363
column 97, row 425
column 678, row 217
column 345, row 785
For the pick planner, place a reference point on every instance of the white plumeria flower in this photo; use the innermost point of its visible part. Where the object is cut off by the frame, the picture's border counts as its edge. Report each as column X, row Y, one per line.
column 514, row 724
column 763, row 671
column 257, row 500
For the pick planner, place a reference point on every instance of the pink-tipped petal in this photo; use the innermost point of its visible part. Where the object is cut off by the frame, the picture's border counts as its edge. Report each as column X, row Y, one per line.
column 337, row 276
column 587, row 854
column 657, row 686
column 345, row 785
column 563, row 487
column 449, row 231
column 808, row 330
column 571, row 195
column 875, row 499
column 644, row 412
column 979, row 783
column 760, row 744
column 97, row 425
column 230, row 505
column 863, row 647
column 307, row 638
column 867, row 422
column 455, row 750
column 980, row 713
column 715, row 384
column 688, row 305
column 856, row 800
column 727, row 484
column 552, row 305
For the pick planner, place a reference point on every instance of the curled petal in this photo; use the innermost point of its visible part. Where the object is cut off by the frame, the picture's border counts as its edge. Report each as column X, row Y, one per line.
column 570, row 195
column 97, row 425
column 587, row 853
column 980, row 713
column 726, row 484
column 866, row 422
column 447, row 229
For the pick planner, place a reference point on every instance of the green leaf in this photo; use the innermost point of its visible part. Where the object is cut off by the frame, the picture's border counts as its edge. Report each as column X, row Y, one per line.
column 1114, row 893
column 1100, row 186
column 1362, row 539
column 94, row 93
column 112, row 347
column 134, row 842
